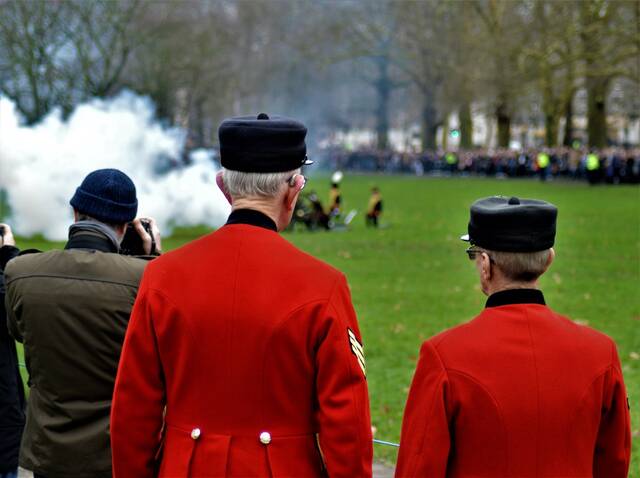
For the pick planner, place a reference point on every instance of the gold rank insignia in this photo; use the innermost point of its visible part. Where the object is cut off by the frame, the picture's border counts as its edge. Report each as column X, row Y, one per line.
column 357, row 350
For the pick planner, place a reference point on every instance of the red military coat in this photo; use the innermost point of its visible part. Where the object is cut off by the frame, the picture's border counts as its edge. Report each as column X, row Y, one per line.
column 253, row 347
column 517, row 392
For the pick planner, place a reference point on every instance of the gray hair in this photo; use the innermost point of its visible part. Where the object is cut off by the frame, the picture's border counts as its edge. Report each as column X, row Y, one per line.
column 521, row 266
column 243, row 185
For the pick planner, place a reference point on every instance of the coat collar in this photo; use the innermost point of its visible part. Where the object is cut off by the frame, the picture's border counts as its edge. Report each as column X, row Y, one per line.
column 515, row 296
column 93, row 240
column 252, row 218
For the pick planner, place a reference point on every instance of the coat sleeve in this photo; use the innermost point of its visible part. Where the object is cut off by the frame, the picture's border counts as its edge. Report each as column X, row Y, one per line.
column 343, row 401
column 139, row 394
column 613, row 446
column 425, row 438
column 9, row 295
column 6, row 254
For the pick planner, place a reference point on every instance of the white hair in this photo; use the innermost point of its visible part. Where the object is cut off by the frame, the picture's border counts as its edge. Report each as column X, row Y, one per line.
column 521, row 266
column 245, row 185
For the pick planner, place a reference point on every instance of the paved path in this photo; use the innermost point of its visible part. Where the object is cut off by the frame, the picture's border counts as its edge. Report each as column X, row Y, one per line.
column 382, row 471
column 379, row 471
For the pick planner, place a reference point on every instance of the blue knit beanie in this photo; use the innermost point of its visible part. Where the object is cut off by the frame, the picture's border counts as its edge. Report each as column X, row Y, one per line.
column 107, row 195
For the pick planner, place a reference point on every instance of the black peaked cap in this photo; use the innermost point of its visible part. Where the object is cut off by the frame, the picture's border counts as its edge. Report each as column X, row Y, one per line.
column 259, row 144
column 512, row 225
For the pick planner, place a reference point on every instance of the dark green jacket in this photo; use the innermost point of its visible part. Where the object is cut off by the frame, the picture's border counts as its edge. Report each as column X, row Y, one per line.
column 70, row 308
column 12, row 401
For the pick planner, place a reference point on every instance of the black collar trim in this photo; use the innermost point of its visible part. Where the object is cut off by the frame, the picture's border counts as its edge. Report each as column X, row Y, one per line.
column 90, row 241
column 516, row 296
column 252, row 218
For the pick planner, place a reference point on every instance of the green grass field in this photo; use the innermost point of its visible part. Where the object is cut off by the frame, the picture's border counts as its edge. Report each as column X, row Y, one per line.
column 412, row 279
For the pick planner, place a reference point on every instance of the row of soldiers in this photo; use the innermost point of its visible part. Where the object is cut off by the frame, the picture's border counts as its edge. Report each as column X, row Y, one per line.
column 238, row 355
column 610, row 165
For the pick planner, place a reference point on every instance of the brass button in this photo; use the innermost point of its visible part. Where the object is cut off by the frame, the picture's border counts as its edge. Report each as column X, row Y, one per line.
column 265, row 438
column 195, row 433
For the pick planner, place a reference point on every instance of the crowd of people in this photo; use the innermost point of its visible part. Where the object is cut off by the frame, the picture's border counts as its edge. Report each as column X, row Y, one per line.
column 610, row 165
column 238, row 355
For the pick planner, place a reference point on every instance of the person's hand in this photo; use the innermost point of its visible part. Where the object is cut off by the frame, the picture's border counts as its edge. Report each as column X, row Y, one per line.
column 147, row 241
column 6, row 236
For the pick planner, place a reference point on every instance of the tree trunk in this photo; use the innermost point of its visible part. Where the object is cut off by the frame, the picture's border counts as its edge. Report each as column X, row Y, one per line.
column 504, row 125
column 568, row 123
column 596, row 112
column 429, row 124
column 567, row 108
column 198, row 124
column 466, row 126
column 162, row 98
column 551, row 129
column 596, row 85
column 549, row 100
column 383, row 90
column 445, row 134
column 550, row 108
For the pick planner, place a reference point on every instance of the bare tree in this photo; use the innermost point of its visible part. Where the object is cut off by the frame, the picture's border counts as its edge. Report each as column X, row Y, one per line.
column 60, row 53
column 200, row 61
column 34, row 60
column 424, row 60
column 610, row 38
column 103, row 35
column 504, row 37
column 550, row 62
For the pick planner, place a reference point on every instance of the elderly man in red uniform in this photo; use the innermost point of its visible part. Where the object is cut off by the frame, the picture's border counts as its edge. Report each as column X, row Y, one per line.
column 520, row 391
column 243, row 357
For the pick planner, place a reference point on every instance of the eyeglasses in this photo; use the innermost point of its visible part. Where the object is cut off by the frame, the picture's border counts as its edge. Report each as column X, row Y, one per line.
column 292, row 181
column 473, row 252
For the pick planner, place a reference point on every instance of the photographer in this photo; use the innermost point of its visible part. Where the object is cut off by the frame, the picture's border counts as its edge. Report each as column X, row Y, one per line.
column 70, row 308
column 12, row 402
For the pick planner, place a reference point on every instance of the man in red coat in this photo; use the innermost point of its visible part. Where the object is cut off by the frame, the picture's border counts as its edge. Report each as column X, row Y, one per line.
column 243, row 357
column 519, row 391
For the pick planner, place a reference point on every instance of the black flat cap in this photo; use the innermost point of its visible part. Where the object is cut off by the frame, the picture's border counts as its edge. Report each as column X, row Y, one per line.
column 259, row 144
column 512, row 225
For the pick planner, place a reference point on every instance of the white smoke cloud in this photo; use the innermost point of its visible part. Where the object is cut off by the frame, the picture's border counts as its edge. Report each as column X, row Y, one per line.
column 41, row 165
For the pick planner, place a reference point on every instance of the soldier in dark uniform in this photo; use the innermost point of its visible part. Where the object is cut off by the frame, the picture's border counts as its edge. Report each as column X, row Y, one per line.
column 520, row 390
column 309, row 211
column 318, row 216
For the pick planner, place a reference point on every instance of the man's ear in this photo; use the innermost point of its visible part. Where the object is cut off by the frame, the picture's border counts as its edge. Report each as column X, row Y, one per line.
column 291, row 196
column 221, row 186
column 552, row 256
column 485, row 266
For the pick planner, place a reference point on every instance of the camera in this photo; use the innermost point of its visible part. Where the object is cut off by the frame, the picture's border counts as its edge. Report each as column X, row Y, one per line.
column 132, row 245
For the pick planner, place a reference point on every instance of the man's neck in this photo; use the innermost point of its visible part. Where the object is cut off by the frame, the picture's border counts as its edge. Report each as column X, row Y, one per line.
column 506, row 285
column 265, row 207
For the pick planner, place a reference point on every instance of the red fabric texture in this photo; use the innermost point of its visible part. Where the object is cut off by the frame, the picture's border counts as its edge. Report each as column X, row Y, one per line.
column 239, row 333
column 518, row 392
